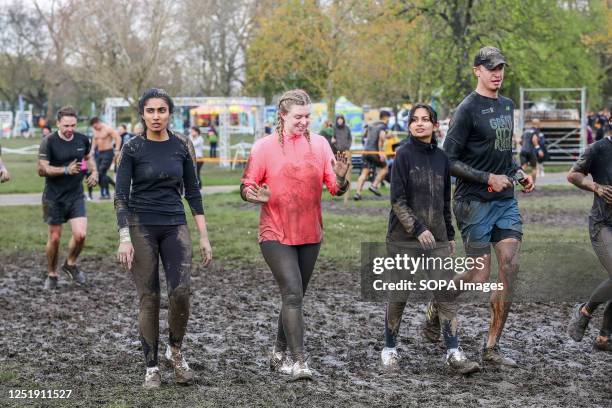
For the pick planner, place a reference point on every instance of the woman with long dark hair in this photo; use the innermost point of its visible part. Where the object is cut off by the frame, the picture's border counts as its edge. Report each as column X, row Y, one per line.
column 153, row 168
column 285, row 173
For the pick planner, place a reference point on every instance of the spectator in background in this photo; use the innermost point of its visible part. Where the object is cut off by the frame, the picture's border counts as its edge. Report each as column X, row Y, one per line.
column 24, row 128
column 213, row 138
column 268, row 129
column 341, row 139
column 46, row 131
column 600, row 125
column 198, row 147
column 327, row 131
column 124, row 134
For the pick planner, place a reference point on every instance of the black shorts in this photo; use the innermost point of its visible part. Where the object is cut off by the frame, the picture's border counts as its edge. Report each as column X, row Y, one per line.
column 372, row 161
column 59, row 212
column 529, row 157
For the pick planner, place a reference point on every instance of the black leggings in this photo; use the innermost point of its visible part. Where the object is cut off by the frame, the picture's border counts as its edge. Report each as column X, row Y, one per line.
column 173, row 244
column 602, row 244
column 292, row 267
column 103, row 164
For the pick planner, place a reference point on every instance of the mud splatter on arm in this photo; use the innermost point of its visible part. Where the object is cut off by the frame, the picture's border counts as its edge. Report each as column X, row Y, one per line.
column 448, row 219
column 255, row 170
column 125, row 167
column 190, row 179
column 399, row 199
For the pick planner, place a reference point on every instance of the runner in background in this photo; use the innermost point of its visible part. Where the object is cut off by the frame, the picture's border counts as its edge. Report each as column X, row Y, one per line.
column 107, row 142
column 5, row 176
column 374, row 158
column 198, row 146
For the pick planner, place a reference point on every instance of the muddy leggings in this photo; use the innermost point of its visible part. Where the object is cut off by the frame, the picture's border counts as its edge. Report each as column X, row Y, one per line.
column 602, row 244
column 443, row 300
column 173, row 244
column 292, row 267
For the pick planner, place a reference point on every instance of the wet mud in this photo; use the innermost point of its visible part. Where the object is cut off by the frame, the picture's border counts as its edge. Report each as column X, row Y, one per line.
column 86, row 339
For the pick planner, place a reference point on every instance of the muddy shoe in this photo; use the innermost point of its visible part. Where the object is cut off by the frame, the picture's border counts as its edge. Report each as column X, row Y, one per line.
column 280, row 361
column 374, row 191
column 494, row 356
column 603, row 345
column 182, row 373
column 74, row 274
column 457, row 361
column 431, row 327
column 152, row 378
column 357, row 197
column 578, row 323
column 50, row 283
column 390, row 358
column 301, row 371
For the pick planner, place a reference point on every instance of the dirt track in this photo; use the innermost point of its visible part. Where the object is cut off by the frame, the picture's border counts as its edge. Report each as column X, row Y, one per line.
column 85, row 339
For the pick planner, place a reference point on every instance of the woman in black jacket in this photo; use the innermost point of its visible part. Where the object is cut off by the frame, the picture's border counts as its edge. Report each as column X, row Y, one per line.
column 420, row 221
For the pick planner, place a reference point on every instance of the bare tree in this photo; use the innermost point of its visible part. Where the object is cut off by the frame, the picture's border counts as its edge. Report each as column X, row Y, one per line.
column 21, row 72
column 54, row 44
column 217, row 33
column 125, row 46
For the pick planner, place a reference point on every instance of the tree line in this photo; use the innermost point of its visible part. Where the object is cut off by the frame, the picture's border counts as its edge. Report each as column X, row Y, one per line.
column 380, row 53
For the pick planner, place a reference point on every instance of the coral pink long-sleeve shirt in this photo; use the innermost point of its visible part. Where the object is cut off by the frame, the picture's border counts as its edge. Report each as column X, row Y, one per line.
column 295, row 175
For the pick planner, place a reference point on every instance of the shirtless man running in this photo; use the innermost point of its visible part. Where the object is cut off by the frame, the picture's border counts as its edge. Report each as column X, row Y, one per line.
column 104, row 137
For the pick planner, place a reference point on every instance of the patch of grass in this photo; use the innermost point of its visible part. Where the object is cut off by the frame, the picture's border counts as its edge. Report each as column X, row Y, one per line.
column 233, row 228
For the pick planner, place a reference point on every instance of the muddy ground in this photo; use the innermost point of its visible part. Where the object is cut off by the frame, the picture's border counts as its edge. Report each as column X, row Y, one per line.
column 85, row 339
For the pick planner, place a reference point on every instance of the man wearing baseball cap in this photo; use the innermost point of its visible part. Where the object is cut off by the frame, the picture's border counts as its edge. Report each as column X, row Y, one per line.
column 479, row 147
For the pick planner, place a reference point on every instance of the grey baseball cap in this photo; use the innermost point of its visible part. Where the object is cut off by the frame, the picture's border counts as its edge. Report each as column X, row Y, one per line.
column 490, row 57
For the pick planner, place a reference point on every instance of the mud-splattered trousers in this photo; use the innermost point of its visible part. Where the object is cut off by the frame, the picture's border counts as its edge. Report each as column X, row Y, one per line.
column 420, row 201
column 173, row 244
column 444, row 300
column 292, row 267
column 602, row 245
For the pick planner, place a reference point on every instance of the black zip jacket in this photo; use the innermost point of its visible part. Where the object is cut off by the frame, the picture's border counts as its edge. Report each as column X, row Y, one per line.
column 420, row 193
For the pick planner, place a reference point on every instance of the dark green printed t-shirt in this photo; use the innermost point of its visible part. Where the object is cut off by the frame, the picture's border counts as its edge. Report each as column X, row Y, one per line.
column 480, row 135
column 60, row 153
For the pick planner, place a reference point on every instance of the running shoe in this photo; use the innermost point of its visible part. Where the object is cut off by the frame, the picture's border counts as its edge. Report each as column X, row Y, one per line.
column 605, row 345
column 50, row 283
column 431, row 327
column 494, row 356
column 357, row 197
column 578, row 323
column 152, row 378
column 457, row 361
column 390, row 358
column 374, row 191
column 74, row 274
column 280, row 361
column 301, row 371
column 182, row 373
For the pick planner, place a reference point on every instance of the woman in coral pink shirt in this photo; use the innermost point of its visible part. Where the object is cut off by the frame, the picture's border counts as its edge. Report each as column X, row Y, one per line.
column 285, row 173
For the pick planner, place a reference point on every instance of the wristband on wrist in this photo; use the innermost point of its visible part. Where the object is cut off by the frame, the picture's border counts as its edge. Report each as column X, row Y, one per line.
column 124, row 235
column 65, row 170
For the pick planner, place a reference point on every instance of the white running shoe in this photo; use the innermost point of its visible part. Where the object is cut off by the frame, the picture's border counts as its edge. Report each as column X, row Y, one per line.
column 182, row 373
column 390, row 357
column 281, row 362
column 457, row 360
column 152, row 378
column 301, row 371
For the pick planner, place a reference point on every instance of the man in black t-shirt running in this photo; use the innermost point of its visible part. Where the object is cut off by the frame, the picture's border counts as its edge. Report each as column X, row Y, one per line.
column 596, row 160
column 479, row 147
column 60, row 157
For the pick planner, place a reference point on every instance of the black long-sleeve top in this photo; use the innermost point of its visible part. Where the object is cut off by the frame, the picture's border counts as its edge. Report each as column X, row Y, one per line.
column 150, row 179
column 420, row 193
column 479, row 143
